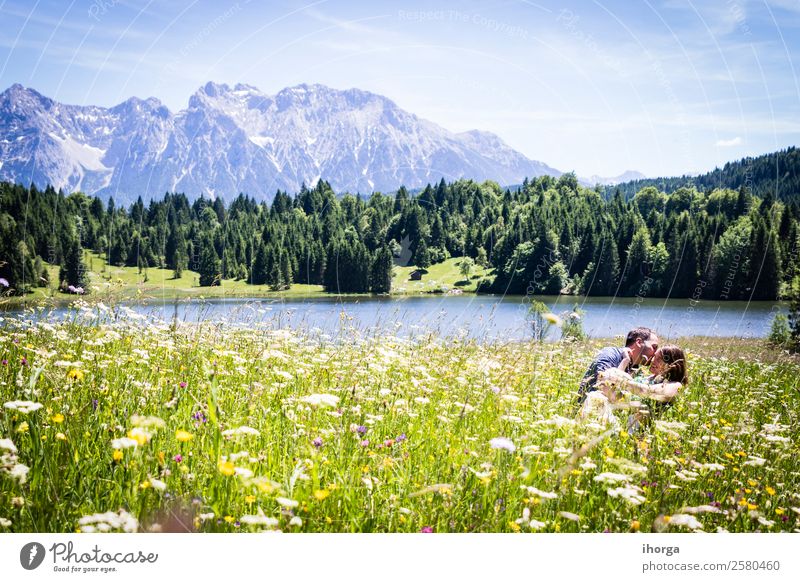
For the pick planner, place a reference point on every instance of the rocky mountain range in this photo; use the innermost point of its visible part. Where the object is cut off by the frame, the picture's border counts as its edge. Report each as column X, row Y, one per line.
column 238, row 139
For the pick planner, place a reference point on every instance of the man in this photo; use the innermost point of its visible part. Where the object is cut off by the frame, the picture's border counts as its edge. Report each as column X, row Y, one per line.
column 640, row 345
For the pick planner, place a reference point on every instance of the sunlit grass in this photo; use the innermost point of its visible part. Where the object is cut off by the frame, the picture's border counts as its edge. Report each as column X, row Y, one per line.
column 445, row 276
column 211, row 428
column 115, row 283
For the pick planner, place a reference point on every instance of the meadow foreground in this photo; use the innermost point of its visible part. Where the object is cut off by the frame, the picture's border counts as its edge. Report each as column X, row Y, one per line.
column 112, row 423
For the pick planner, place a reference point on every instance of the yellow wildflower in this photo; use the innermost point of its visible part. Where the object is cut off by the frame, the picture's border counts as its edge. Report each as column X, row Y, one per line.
column 770, row 491
column 329, row 521
column 183, row 436
column 23, row 427
column 249, row 498
column 61, row 436
column 58, row 418
column 514, row 526
column 117, row 456
column 779, row 511
column 140, row 436
column 227, row 468
column 145, row 485
column 75, row 374
column 229, row 519
column 321, row 494
column 635, row 525
column 609, row 453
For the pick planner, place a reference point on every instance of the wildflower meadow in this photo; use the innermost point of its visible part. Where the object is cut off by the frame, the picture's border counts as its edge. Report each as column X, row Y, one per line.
column 111, row 422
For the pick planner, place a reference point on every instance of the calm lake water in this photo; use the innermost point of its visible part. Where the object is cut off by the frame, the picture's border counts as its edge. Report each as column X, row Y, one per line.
column 485, row 317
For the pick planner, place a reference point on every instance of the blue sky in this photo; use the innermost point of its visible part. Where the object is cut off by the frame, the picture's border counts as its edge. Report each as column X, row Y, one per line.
column 596, row 87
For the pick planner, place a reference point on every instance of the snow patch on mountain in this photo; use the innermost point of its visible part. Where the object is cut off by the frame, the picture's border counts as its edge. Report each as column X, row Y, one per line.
column 232, row 140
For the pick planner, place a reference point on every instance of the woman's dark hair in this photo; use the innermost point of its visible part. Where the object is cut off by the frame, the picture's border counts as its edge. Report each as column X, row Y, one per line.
column 674, row 363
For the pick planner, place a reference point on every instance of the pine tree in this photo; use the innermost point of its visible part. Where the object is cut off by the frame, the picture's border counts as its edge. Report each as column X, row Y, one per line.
column 765, row 269
column 381, row 272
column 606, row 273
column 422, row 256
column 258, row 270
column 73, row 272
column 209, row 267
column 637, row 270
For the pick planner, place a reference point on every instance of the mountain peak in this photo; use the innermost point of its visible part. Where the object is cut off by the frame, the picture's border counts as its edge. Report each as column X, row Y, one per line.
column 238, row 139
column 214, row 89
column 20, row 98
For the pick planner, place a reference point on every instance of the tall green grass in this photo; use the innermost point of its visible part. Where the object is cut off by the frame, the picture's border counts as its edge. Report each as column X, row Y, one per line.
column 213, row 428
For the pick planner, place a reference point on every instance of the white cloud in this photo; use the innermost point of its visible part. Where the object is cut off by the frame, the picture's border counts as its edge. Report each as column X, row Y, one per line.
column 727, row 143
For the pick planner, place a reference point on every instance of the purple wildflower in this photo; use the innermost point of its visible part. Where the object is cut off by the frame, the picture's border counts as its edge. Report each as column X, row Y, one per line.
column 3, row 282
column 400, row 438
column 182, row 384
column 5, row 362
column 426, row 529
column 177, row 458
column 94, row 404
column 364, row 443
column 361, row 429
column 24, row 361
column 317, row 442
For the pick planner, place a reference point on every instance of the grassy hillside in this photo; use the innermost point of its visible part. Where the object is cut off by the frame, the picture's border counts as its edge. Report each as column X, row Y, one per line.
column 126, row 283
column 442, row 277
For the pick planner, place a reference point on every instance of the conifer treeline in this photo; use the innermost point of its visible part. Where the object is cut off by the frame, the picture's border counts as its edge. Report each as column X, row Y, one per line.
column 776, row 173
column 547, row 236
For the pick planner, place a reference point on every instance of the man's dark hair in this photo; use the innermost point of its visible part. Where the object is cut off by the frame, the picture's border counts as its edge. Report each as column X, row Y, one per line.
column 642, row 333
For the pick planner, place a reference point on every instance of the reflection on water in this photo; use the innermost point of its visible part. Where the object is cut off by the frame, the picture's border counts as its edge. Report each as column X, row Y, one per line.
column 480, row 317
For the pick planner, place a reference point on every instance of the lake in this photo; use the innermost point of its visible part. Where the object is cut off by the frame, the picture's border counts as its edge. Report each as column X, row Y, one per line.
column 486, row 317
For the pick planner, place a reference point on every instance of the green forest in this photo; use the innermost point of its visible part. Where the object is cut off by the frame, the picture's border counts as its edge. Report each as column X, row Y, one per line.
column 776, row 174
column 547, row 236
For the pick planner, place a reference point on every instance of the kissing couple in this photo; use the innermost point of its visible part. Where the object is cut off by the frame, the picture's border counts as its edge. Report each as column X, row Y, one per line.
column 615, row 379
